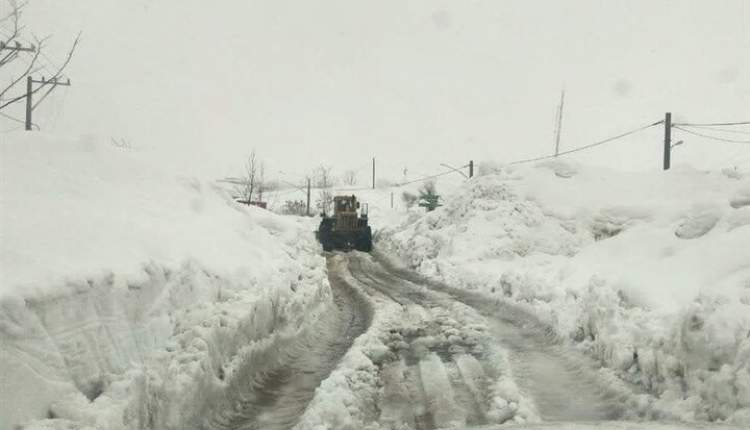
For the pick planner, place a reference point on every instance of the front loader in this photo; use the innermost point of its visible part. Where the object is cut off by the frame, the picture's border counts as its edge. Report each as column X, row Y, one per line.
column 346, row 229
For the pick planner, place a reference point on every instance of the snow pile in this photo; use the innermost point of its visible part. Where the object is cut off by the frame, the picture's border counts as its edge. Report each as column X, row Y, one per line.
column 135, row 297
column 649, row 273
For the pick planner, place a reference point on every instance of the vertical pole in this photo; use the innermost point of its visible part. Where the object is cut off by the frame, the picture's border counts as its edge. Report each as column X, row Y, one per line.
column 308, row 196
column 373, row 173
column 471, row 168
column 28, row 103
column 559, row 123
column 391, row 199
column 667, row 140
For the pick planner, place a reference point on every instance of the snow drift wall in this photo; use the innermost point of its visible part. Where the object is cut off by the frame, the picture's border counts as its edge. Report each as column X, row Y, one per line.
column 132, row 296
column 648, row 273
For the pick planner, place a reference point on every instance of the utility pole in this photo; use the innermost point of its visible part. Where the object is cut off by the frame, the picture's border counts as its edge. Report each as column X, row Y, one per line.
column 391, row 199
column 558, row 128
column 308, row 196
column 373, row 173
column 667, row 140
column 471, row 168
column 30, row 91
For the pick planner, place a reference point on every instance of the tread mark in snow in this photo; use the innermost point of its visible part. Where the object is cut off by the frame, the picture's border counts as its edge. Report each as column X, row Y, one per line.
column 276, row 399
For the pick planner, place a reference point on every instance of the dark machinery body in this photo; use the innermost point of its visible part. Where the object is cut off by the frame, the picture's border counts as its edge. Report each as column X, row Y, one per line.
column 346, row 229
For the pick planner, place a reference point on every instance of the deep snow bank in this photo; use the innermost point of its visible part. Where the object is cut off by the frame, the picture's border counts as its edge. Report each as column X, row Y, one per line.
column 649, row 272
column 135, row 297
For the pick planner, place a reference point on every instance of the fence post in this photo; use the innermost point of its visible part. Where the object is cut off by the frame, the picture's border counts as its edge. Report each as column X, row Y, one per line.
column 667, row 140
column 308, row 196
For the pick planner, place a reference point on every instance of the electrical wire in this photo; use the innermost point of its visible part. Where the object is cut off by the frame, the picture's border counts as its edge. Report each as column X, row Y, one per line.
column 721, row 139
column 712, row 124
column 12, row 118
column 592, row 145
column 725, row 130
column 426, row 178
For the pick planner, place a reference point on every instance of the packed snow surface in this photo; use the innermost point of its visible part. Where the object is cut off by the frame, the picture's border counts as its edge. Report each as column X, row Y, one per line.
column 648, row 273
column 133, row 295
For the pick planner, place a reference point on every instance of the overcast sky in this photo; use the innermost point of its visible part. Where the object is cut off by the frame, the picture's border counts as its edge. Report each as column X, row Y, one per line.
column 413, row 83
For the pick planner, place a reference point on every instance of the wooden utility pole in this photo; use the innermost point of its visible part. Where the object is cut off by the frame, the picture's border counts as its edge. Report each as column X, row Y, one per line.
column 471, row 168
column 391, row 199
column 373, row 173
column 30, row 91
column 667, row 140
column 308, row 196
column 558, row 128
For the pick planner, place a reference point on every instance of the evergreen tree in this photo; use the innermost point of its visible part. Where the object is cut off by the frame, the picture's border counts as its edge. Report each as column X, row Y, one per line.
column 428, row 197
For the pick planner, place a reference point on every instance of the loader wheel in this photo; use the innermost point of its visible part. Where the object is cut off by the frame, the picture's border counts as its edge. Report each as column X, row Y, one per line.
column 325, row 235
column 364, row 241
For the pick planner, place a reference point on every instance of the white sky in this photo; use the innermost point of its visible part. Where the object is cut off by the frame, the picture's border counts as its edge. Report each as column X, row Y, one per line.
column 413, row 83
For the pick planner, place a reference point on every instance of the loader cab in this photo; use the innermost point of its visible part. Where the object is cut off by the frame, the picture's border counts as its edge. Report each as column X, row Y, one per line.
column 345, row 204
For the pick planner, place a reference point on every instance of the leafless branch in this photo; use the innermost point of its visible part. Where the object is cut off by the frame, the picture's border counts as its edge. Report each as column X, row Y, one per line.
column 15, row 16
column 25, row 73
column 30, row 69
column 247, row 185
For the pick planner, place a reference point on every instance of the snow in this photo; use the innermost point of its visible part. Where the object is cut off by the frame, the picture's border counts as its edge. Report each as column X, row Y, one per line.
column 648, row 273
column 134, row 293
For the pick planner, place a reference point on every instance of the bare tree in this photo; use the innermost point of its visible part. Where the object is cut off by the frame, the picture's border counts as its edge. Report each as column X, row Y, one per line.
column 322, row 176
column 294, row 207
column 246, row 187
column 349, row 177
column 323, row 180
column 19, row 60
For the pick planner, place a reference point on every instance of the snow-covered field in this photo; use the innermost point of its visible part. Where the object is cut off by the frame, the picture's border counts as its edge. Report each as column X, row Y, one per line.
column 133, row 295
column 648, row 273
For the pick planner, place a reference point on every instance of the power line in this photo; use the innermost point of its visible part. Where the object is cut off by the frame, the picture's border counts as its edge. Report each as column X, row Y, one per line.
column 713, row 124
column 592, row 145
column 711, row 137
column 4, row 115
column 725, row 130
column 349, row 189
column 12, row 118
column 426, row 178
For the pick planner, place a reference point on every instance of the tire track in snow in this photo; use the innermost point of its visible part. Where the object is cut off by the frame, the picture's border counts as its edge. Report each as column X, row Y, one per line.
column 397, row 405
column 276, row 398
column 563, row 389
column 427, row 342
column 469, row 387
column 438, row 392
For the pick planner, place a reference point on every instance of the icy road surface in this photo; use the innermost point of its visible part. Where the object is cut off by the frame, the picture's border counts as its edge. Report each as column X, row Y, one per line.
column 471, row 346
column 448, row 359
column 279, row 395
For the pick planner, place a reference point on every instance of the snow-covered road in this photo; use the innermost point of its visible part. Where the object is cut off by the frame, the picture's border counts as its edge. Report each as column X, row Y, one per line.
column 393, row 350
column 278, row 395
column 451, row 359
column 503, row 337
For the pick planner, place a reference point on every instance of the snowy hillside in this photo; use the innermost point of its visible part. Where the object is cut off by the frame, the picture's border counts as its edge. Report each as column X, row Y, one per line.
column 124, row 283
column 649, row 273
